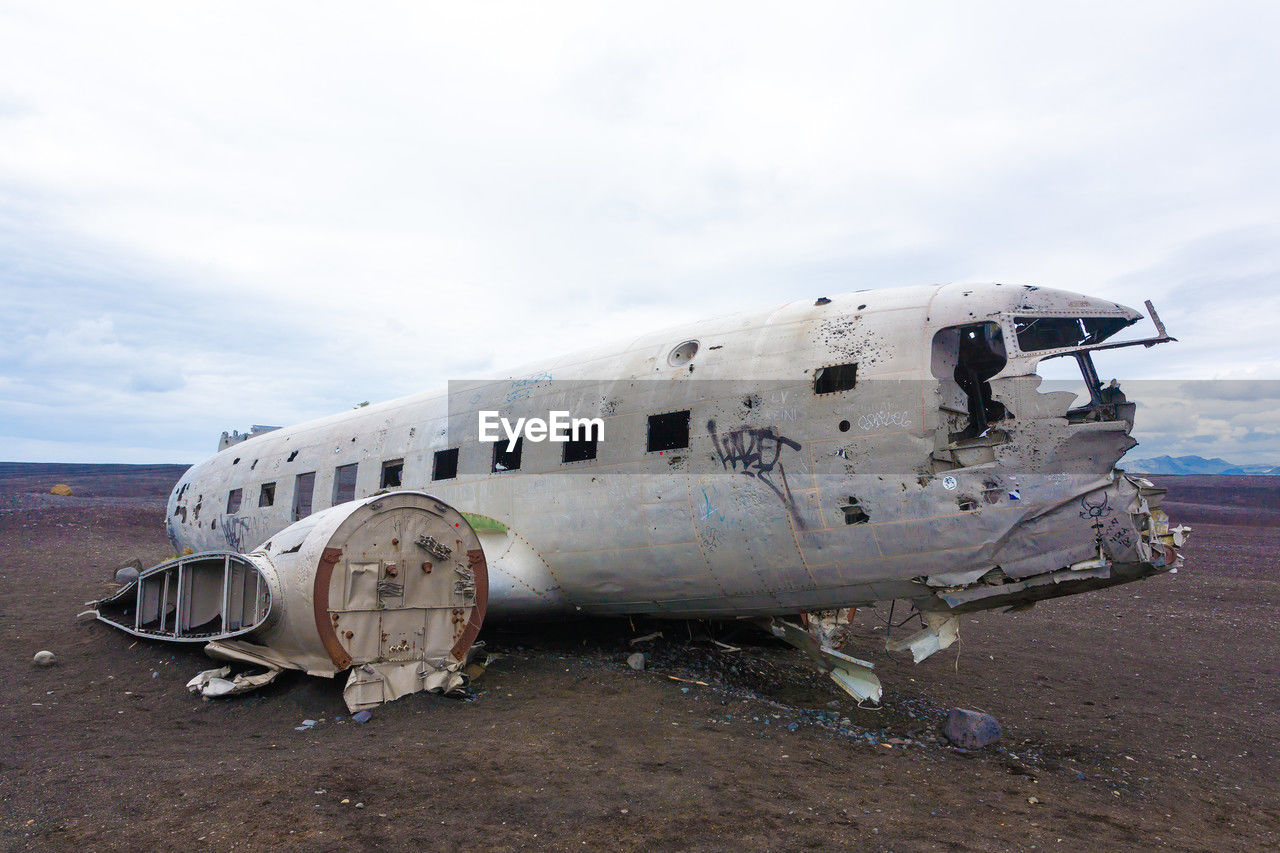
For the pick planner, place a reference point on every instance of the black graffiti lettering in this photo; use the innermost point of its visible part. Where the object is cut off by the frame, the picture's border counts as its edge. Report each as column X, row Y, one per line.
column 757, row 452
column 234, row 529
column 1090, row 509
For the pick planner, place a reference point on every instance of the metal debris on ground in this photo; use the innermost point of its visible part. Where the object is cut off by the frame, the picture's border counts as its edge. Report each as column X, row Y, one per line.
column 361, row 717
column 213, row 683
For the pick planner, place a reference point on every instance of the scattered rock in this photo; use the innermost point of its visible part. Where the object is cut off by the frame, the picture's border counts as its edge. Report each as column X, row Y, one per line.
column 62, row 490
column 971, row 729
column 126, row 575
column 636, row 661
column 361, row 717
column 44, row 658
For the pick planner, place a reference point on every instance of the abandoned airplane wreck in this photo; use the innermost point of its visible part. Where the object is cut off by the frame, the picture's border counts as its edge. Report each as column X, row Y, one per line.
column 784, row 466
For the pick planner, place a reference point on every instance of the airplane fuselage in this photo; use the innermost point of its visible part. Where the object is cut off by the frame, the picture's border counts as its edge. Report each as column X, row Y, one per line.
column 816, row 456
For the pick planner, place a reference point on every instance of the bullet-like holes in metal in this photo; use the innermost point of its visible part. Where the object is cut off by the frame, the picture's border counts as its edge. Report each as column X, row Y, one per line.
column 854, row 513
column 844, row 426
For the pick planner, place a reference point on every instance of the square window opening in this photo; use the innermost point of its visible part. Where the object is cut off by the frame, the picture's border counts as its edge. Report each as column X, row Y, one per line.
column 583, row 446
column 445, row 464
column 668, row 431
column 392, row 474
column 507, row 460
column 233, row 501
column 267, row 496
column 836, row 377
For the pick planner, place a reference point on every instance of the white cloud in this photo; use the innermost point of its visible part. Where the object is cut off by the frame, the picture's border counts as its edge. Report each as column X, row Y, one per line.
column 279, row 210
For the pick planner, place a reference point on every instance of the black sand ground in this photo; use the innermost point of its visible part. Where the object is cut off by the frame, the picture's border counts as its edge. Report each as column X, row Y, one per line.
column 1140, row 717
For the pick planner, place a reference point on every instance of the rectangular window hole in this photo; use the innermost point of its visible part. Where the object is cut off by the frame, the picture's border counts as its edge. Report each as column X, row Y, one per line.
column 507, row 460
column 303, row 487
column 267, row 496
column 392, row 474
column 836, row 377
column 233, row 501
column 445, row 464
column 669, row 431
column 344, row 483
column 854, row 513
column 576, row 450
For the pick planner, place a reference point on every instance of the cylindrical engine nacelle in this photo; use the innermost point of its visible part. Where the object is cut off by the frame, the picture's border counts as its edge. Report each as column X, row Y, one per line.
column 398, row 578
column 393, row 587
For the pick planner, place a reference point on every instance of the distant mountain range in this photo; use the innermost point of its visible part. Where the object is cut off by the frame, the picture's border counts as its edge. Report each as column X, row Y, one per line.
column 1194, row 465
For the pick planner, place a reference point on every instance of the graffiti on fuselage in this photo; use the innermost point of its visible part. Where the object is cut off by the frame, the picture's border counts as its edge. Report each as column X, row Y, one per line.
column 757, row 452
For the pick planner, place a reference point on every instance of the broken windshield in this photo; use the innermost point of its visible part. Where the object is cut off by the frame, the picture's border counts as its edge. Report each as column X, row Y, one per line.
column 1042, row 333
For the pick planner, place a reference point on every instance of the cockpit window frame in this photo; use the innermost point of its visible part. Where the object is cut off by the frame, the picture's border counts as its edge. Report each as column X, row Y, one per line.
column 1015, row 330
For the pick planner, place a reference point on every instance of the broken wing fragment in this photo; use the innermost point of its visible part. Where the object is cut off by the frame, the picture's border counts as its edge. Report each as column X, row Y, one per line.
column 197, row 598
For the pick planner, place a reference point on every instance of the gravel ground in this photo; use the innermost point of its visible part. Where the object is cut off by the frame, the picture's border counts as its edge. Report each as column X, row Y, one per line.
column 1140, row 717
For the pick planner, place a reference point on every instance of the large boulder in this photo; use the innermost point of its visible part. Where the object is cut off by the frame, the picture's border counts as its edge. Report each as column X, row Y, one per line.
column 62, row 490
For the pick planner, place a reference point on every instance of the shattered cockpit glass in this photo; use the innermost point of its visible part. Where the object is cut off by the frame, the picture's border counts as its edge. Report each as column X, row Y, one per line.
column 1042, row 333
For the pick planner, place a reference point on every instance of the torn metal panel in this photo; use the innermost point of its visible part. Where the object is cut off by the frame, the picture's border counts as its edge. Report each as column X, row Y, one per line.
column 214, row 683
column 855, row 677
column 939, row 632
column 372, row 684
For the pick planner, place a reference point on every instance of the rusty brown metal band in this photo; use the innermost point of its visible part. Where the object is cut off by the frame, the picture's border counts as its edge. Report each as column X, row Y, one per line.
column 480, row 570
column 320, row 601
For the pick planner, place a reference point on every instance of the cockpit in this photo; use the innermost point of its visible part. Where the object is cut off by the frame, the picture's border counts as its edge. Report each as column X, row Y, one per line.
column 986, row 368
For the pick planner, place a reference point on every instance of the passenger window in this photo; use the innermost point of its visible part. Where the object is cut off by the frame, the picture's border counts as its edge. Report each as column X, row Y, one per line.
column 582, row 447
column 835, row 377
column 507, row 460
column 267, row 496
column 233, row 501
column 392, row 473
column 344, row 483
column 668, row 431
column 303, row 486
column 445, row 464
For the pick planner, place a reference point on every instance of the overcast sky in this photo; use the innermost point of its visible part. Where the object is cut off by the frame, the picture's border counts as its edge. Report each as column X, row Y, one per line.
column 220, row 214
